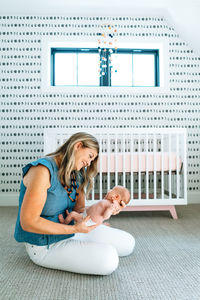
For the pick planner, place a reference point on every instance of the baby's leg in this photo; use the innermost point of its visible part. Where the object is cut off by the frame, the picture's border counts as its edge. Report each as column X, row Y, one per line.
column 73, row 216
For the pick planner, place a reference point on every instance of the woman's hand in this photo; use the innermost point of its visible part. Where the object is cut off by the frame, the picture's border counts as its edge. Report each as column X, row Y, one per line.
column 82, row 226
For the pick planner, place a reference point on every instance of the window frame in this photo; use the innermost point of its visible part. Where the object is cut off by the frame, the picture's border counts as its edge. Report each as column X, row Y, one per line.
column 105, row 80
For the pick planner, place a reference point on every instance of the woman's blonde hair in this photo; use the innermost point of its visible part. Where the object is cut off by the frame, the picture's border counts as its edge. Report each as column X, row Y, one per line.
column 66, row 151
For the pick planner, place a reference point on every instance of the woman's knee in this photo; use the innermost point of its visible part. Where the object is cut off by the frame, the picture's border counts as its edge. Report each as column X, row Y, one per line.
column 93, row 258
column 128, row 245
column 109, row 261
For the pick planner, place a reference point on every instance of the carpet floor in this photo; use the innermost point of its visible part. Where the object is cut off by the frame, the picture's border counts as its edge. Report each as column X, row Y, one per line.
column 165, row 264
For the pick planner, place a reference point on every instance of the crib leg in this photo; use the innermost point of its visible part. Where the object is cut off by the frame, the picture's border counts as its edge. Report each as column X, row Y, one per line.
column 172, row 210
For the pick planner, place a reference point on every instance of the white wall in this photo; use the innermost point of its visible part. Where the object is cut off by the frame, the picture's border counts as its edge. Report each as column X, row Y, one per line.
column 26, row 109
column 182, row 14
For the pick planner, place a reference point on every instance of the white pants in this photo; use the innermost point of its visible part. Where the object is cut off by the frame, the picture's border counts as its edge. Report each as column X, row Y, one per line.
column 96, row 252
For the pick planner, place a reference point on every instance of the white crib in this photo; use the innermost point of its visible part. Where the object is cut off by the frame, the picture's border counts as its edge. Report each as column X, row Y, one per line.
column 151, row 163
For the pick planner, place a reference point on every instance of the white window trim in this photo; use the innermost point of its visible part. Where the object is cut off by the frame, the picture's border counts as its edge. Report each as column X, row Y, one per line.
column 145, row 43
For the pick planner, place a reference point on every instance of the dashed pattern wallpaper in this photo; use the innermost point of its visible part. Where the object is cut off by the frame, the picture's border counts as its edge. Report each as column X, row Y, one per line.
column 26, row 109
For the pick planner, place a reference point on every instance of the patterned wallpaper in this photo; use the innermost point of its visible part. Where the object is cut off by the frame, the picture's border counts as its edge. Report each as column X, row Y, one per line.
column 26, row 109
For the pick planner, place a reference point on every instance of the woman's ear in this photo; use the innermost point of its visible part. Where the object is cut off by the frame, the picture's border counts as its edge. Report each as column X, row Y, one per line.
column 78, row 145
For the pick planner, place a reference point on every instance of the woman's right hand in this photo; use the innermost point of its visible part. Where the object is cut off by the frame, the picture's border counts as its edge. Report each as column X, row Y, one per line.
column 82, row 226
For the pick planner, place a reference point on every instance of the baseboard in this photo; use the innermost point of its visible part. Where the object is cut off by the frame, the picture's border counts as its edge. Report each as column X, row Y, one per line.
column 12, row 199
column 194, row 198
column 9, row 199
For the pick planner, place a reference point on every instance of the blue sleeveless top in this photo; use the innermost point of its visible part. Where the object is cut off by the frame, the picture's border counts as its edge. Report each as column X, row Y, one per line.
column 56, row 203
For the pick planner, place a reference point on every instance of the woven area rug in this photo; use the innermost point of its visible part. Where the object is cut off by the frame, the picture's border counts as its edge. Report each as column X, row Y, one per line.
column 165, row 264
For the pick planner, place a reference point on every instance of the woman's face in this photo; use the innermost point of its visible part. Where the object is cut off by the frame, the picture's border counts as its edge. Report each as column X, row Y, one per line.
column 83, row 156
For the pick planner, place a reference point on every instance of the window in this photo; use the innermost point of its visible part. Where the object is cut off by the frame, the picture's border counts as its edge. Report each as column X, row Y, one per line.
column 104, row 67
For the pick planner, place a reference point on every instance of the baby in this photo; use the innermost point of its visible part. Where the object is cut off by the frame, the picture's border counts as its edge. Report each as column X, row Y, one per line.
column 114, row 201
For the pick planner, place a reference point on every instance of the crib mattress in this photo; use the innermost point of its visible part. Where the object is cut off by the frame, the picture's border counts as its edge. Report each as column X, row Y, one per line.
column 116, row 162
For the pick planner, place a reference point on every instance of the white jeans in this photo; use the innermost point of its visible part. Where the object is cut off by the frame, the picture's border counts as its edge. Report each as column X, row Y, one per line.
column 96, row 252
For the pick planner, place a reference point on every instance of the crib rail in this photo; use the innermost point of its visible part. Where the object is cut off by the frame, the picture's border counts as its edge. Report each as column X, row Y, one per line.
column 151, row 163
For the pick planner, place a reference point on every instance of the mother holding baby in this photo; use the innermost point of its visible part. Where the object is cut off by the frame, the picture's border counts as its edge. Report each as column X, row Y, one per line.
column 51, row 202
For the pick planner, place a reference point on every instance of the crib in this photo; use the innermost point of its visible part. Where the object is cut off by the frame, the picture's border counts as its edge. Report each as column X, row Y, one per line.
column 151, row 163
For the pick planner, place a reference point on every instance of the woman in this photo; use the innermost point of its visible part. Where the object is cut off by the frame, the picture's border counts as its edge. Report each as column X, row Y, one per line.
column 52, row 185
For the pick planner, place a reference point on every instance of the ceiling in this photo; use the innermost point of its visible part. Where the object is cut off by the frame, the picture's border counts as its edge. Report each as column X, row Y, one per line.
column 184, row 15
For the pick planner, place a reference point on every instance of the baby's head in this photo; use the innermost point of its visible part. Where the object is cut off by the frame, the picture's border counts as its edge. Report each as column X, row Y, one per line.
column 119, row 193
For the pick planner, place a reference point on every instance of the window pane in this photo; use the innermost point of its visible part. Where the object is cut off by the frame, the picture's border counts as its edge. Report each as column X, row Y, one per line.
column 122, row 70
column 143, row 70
column 65, row 69
column 88, row 66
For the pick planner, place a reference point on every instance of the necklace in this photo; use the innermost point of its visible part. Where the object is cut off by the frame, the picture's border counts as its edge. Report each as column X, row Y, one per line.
column 73, row 186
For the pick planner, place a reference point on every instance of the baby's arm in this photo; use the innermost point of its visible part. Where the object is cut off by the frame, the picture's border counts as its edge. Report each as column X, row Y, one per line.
column 97, row 210
column 108, row 212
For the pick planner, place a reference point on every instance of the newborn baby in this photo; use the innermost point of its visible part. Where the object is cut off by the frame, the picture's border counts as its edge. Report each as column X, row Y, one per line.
column 114, row 201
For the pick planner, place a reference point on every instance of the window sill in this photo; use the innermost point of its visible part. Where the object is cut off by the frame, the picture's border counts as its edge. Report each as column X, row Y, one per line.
column 105, row 89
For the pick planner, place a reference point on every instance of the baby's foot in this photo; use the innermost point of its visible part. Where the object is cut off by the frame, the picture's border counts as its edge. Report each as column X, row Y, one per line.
column 107, row 224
